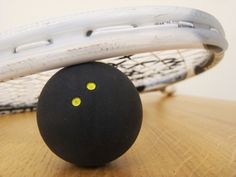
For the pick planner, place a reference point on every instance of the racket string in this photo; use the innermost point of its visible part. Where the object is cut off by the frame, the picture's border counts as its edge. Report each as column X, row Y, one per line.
column 147, row 71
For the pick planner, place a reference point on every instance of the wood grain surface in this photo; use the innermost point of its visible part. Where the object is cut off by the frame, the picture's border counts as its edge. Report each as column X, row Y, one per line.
column 181, row 136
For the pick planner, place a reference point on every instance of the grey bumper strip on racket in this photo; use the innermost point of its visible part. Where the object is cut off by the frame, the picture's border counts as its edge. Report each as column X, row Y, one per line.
column 103, row 34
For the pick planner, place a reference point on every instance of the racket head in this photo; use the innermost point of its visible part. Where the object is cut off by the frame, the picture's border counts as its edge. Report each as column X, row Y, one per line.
column 154, row 46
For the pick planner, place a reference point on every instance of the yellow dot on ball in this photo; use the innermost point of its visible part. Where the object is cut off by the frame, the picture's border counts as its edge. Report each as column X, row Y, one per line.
column 76, row 101
column 91, row 86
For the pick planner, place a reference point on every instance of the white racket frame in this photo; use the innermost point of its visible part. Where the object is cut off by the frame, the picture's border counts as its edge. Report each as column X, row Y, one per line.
column 103, row 34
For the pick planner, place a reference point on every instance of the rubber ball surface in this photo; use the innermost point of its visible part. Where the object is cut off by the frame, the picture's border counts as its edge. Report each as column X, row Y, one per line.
column 89, row 114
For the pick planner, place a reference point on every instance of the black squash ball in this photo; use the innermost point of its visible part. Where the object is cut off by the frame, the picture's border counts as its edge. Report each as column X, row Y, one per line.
column 89, row 114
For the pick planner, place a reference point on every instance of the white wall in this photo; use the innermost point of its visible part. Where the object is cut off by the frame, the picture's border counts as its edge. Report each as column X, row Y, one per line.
column 217, row 83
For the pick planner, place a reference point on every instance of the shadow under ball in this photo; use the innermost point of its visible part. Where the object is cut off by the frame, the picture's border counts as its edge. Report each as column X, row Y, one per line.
column 89, row 114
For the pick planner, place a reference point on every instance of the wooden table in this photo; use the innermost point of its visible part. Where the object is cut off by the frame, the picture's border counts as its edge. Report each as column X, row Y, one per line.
column 181, row 136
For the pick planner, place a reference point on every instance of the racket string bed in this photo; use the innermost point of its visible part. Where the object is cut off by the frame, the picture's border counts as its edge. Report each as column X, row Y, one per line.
column 148, row 71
